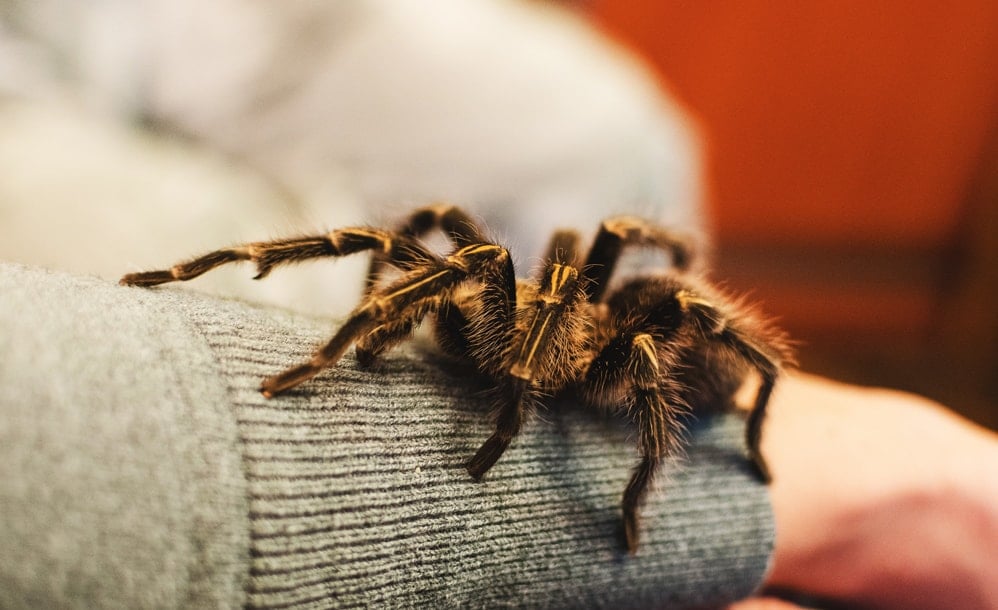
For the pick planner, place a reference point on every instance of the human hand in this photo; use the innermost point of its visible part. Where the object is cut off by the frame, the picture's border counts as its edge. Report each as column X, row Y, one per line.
column 881, row 499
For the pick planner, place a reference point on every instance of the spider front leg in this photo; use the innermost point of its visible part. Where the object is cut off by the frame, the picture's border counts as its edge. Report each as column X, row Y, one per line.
column 541, row 348
column 401, row 250
column 495, row 327
column 361, row 321
column 632, row 364
column 508, row 422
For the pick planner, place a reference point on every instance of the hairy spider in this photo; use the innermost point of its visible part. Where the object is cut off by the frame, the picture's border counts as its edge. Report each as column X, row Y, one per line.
column 658, row 346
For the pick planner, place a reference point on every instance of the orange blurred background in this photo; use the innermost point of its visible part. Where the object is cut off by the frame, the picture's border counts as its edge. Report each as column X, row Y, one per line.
column 853, row 174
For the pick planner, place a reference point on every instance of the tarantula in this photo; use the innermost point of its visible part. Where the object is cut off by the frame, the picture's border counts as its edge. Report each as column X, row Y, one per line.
column 656, row 347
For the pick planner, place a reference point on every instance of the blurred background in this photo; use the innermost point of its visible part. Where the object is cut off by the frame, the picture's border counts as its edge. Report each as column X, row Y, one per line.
column 842, row 157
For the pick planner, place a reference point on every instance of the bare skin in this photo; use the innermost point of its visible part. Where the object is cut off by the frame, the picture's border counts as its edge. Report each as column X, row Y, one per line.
column 882, row 500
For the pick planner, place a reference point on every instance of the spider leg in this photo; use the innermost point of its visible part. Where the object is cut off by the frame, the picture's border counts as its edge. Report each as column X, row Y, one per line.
column 479, row 325
column 454, row 222
column 460, row 228
column 451, row 329
column 266, row 255
column 563, row 247
column 411, row 296
column 362, row 320
column 539, row 357
column 392, row 332
column 617, row 233
column 495, row 291
column 384, row 336
column 766, row 351
column 768, row 367
column 659, row 436
column 633, row 361
column 508, row 422
column 753, row 428
column 494, row 327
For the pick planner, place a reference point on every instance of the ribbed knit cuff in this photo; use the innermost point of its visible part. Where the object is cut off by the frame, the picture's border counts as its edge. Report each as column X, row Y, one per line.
column 358, row 495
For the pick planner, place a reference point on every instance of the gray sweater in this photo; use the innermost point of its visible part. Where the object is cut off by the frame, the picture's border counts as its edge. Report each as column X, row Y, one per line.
column 140, row 467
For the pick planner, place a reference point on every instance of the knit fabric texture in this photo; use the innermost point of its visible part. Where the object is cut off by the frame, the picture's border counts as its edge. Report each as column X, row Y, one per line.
column 141, row 467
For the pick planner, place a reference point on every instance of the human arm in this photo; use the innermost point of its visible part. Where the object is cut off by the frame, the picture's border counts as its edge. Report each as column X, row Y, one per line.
column 881, row 498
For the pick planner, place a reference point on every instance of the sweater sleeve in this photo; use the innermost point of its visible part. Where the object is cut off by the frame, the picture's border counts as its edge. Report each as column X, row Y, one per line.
column 140, row 467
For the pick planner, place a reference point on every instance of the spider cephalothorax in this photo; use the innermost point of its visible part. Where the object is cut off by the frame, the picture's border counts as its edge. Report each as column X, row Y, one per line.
column 656, row 347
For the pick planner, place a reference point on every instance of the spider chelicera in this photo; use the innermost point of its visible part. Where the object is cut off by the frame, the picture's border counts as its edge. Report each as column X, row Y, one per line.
column 657, row 346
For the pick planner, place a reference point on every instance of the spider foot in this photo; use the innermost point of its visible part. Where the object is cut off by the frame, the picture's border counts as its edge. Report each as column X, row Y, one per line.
column 631, row 531
column 147, row 278
column 365, row 357
column 760, row 468
column 281, row 382
column 487, row 456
